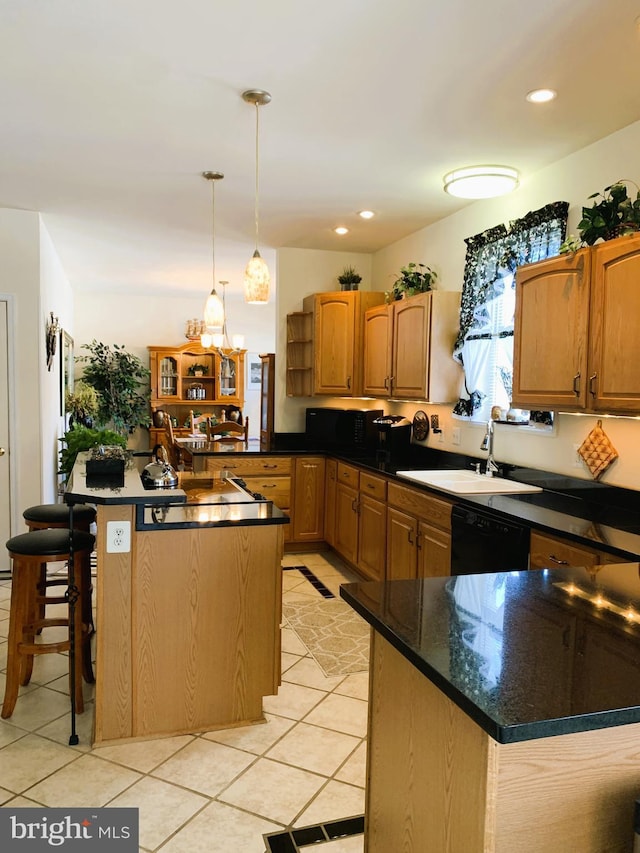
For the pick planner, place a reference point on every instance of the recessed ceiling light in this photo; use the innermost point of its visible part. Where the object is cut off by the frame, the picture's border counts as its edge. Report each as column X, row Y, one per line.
column 366, row 214
column 481, row 181
column 541, row 96
column 341, row 230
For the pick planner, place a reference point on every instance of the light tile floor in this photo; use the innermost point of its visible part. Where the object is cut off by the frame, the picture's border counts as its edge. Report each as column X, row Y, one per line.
column 220, row 791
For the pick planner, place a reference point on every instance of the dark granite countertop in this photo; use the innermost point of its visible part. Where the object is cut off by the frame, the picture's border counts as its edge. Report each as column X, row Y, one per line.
column 525, row 654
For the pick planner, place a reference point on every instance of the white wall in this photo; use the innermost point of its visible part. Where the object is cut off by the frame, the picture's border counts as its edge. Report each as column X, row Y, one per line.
column 137, row 320
column 32, row 275
column 442, row 247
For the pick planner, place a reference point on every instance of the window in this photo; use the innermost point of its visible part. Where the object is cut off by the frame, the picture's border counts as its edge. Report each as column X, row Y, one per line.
column 484, row 346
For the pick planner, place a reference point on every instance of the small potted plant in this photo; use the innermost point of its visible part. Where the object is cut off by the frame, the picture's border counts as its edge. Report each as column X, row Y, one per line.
column 413, row 279
column 613, row 214
column 349, row 279
column 197, row 369
column 81, row 404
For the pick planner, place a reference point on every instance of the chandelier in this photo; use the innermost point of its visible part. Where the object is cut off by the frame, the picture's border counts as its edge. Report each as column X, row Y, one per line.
column 256, row 275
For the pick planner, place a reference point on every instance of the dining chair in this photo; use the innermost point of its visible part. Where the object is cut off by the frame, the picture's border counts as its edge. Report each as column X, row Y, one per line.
column 231, row 431
column 196, row 422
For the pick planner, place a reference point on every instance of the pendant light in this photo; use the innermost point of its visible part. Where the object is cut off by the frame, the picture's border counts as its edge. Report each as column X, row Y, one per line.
column 256, row 275
column 220, row 340
column 214, row 308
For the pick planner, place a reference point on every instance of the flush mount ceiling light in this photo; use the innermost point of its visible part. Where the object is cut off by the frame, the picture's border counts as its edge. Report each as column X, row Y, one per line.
column 256, row 275
column 366, row 214
column 541, row 96
column 481, row 181
column 341, row 230
column 214, row 308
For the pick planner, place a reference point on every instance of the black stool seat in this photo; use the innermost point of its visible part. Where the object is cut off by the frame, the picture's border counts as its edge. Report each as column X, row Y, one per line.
column 59, row 513
column 50, row 542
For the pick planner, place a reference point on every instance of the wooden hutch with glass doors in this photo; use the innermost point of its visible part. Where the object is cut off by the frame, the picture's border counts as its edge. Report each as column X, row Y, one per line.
column 192, row 377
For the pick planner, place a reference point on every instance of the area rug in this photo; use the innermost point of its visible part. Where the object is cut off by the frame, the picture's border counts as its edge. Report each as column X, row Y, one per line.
column 336, row 637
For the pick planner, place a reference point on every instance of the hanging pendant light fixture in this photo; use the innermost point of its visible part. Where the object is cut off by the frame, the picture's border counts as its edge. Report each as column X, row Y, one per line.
column 256, row 275
column 214, row 308
column 220, row 340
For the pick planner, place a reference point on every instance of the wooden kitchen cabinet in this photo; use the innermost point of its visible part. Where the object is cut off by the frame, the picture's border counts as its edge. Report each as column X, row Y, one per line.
column 338, row 319
column 330, row 483
column 300, row 354
column 346, row 532
column 547, row 551
column 372, row 526
column 408, row 346
column 418, row 534
column 308, row 505
column 572, row 345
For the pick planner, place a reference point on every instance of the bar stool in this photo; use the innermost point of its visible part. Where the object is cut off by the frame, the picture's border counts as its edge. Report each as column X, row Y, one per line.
column 45, row 516
column 28, row 552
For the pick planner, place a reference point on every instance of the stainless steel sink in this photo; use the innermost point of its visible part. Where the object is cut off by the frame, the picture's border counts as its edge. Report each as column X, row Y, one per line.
column 462, row 482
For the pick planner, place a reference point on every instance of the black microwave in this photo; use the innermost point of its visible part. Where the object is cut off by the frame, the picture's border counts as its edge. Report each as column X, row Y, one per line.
column 342, row 429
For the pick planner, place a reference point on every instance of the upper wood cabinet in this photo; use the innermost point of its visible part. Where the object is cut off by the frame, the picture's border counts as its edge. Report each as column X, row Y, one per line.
column 573, row 345
column 408, row 348
column 337, row 339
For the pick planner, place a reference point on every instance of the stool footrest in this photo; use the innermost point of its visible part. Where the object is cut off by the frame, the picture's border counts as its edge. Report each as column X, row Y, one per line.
column 44, row 648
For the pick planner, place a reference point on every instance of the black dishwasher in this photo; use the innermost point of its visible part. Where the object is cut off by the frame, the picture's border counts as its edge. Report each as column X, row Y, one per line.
column 481, row 542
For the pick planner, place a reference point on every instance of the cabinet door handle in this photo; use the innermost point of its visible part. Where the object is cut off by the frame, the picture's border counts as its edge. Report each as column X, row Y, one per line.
column 576, row 384
column 418, row 545
column 391, row 378
column 409, row 537
column 566, row 636
column 386, row 383
column 370, row 486
column 269, row 485
column 592, row 379
column 558, row 562
column 269, row 466
column 349, row 382
column 354, row 505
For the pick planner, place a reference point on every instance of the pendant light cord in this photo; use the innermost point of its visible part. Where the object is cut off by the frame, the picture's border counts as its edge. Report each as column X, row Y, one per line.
column 213, row 234
column 257, row 169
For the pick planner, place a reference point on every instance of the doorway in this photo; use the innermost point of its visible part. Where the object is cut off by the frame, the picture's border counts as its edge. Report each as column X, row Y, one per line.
column 5, row 456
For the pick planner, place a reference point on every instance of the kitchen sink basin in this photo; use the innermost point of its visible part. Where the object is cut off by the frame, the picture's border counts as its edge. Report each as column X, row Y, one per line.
column 461, row 482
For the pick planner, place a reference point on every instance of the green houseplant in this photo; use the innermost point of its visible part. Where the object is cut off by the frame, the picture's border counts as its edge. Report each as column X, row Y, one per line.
column 78, row 438
column 197, row 369
column 120, row 382
column 349, row 279
column 413, row 279
column 81, row 404
column 613, row 213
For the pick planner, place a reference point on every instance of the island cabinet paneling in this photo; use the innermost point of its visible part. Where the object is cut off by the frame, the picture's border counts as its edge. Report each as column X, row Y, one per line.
column 572, row 346
column 418, row 534
column 206, row 612
column 436, row 781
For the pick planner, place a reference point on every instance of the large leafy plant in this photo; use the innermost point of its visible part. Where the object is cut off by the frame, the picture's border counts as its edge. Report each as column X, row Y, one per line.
column 413, row 279
column 613, row 214
column 120, row 381
column 79, row 438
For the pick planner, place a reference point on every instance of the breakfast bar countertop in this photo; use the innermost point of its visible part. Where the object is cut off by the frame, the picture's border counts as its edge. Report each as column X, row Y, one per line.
column 526, row 655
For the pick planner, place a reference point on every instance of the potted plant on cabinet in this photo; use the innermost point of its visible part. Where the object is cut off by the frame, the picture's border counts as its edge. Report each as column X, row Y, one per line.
column 197, row 369
column 613, row 214
column 349, row 279
column 413, row 279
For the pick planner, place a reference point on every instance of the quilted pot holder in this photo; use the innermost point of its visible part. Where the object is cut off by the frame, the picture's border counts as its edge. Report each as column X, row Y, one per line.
column 597, row 451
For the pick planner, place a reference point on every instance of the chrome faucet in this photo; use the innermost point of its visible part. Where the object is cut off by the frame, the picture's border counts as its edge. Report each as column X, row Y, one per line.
column 487, row 444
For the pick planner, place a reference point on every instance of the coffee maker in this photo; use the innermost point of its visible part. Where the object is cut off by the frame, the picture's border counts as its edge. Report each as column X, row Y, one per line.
column 394, row 439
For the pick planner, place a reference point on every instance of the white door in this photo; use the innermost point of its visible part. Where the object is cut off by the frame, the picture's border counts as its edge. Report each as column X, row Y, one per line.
column 5, row 480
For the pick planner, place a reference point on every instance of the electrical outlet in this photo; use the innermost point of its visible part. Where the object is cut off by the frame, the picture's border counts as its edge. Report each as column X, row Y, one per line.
column 577, row 459
column 441, row 436
column 118, row 537
column 455, row 435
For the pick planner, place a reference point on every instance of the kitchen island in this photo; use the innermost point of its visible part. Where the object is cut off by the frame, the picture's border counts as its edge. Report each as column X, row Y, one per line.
column 504, row 711
column 188, row 605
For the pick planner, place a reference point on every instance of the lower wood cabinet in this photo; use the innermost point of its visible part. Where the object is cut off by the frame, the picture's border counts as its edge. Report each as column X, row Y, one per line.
column 418, row 534
column 330, row 483
column 307, row 517
column 546, row 552
column 372, row 535
column 346, row 532
column 361, row 520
